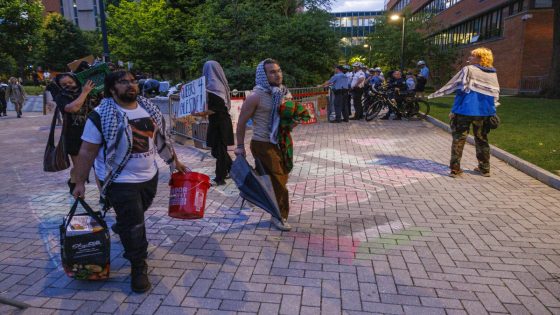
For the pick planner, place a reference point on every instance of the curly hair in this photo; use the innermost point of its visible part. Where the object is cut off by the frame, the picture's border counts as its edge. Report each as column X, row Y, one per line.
column 485, row 55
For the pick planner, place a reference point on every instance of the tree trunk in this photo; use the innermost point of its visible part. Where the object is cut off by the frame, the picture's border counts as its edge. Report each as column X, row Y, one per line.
column 554, row 85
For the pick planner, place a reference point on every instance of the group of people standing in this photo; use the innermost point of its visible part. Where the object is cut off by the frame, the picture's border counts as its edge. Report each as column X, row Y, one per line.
column 476, row 87
column 348, row 87
column 13, row 92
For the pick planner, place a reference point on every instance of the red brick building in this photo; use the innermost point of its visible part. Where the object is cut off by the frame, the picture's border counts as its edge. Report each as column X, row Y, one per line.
column 51, row 6
column 519, row 32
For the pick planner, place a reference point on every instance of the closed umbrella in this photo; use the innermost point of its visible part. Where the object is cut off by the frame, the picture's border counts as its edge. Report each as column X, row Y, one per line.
column 254, row 187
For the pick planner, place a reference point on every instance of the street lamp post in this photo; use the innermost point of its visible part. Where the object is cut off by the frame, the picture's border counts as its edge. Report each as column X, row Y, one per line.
column 106, row 57
column 369, row 53
column 396, row 17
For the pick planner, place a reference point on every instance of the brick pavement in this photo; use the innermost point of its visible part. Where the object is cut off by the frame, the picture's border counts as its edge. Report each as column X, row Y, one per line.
column 378, row 228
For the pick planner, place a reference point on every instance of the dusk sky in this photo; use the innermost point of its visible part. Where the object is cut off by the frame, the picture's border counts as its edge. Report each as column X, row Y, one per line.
column 357, row 5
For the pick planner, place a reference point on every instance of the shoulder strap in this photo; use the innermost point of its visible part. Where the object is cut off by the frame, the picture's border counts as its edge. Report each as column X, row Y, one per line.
column 50, row 141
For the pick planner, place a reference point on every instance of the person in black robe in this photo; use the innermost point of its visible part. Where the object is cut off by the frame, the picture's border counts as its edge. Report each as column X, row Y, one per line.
column 220, row 129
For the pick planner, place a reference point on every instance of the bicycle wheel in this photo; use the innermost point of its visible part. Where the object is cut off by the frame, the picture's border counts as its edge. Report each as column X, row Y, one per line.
column 423, row 108
column 376, row 107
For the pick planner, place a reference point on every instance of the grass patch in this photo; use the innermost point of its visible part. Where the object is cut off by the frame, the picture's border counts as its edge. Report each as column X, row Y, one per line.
column 530, row 128
column 33, row 90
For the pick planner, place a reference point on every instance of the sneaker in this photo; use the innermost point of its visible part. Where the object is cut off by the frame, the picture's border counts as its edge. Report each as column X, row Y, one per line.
column 384, row 118
column 456, row 174
column 139, row 281
column 286, row 224
column 485, row 174
column 280, row 225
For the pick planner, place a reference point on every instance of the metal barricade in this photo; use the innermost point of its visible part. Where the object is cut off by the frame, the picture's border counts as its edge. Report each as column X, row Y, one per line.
column 195, row 128
column 532, row 84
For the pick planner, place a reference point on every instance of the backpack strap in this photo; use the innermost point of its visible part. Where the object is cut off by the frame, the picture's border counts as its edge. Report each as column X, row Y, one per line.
column 95, row 118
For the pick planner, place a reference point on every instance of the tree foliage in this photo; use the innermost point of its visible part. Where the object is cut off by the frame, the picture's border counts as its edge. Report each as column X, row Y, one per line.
column 236, row 33
column 62, row 42
column 386, row 46
column 20, row 22
column 143, row 32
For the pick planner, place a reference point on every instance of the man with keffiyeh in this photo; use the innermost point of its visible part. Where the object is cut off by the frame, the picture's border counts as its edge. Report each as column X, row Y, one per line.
column 122, row 137
column 263, row 106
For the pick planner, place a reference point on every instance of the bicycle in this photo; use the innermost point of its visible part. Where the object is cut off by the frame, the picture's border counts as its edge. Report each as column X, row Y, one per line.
column 378, row 98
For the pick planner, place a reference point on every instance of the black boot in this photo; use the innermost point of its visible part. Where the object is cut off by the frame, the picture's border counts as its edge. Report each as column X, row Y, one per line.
column 139, row 281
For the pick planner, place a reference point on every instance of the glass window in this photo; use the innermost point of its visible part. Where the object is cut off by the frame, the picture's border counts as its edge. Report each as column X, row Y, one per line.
column 543, row 4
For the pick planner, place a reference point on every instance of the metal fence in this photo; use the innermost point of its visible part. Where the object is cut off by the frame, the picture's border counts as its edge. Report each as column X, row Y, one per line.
column 194, row 128
column 532, row 84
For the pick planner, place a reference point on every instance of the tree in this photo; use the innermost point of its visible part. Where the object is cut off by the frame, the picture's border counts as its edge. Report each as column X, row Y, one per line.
column 143, row 32
column 553, row 89
column 240, row 33
column 386, row 46
column 62, row 42
column 306, row 46
column 94, row 42
column 20, row 22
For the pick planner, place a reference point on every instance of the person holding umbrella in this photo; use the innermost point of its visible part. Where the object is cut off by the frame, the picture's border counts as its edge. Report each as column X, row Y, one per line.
column 263, row 106
column 220, row 130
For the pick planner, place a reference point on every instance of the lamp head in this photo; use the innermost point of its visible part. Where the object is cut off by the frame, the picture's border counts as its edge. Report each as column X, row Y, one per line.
column 395, row 17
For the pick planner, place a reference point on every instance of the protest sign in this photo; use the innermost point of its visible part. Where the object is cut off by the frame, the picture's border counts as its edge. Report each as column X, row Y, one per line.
column 310, row 106
column 192, row 98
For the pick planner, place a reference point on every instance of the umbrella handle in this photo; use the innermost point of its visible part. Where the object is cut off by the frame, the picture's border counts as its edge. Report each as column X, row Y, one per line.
column 242, row 203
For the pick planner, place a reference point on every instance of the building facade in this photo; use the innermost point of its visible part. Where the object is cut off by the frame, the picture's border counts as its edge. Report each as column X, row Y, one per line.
column 519, row 32
column 353, row 29
column 83, row 13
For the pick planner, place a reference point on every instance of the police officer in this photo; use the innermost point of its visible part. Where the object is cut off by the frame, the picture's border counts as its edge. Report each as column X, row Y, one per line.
column 339, row 84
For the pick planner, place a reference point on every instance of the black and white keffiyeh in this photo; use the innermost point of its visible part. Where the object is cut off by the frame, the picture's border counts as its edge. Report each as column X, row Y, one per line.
column 117, row 136
column 277, row 92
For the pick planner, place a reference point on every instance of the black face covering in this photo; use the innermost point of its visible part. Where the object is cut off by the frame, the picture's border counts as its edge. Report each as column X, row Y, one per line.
column 74, row 92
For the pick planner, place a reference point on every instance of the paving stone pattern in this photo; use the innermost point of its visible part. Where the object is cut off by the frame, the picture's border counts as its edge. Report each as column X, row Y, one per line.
column 379, row 228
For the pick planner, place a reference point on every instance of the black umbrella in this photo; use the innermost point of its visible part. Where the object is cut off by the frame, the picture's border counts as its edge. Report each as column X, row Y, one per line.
column 254, row 187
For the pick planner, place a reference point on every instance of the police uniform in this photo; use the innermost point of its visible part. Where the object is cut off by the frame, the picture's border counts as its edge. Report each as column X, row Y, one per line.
column 339, row 86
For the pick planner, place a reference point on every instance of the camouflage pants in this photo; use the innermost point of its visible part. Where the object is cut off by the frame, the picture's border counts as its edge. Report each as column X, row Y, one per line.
column 460, row 126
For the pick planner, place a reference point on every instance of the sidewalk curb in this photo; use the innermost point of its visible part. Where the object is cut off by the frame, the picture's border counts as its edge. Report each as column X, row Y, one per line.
column 520, row 164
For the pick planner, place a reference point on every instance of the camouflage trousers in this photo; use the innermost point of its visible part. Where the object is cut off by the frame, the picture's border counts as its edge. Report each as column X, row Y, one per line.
column 460, row 127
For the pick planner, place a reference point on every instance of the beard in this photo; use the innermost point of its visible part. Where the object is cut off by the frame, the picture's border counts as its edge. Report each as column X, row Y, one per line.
column 128, row 96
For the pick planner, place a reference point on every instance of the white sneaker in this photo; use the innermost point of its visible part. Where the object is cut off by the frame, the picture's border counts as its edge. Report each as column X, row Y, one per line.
column 279, row 224
column 286, row 224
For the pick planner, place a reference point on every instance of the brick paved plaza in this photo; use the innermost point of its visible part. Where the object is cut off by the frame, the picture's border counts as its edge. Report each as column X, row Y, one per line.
column 378, row 228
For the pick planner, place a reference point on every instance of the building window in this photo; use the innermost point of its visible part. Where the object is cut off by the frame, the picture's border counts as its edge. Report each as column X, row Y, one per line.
column 75, row 8
column 515, row 7
column 436, row 6
column 480, row 28
column 96, row 14
column 542, row 4
column 401, row 5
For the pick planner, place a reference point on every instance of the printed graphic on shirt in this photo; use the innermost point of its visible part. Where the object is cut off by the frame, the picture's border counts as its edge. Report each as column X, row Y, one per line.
column 143, row 130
